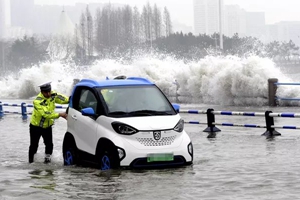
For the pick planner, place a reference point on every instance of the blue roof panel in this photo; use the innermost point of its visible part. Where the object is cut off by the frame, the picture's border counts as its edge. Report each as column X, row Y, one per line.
column 130, row 81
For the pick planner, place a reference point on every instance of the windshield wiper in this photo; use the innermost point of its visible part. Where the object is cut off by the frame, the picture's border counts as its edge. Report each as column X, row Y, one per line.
column 148, row 112
column 140, row 113
column 118, row 113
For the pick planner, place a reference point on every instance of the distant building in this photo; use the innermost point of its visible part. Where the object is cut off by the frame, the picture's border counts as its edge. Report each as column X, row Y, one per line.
column 272, row 32
column 2, row 19
column 179, row 27
column 206, row 16
column 61, row 43
column 65, row 26
column 22, row 13
column 14, row 32
column 43, row 19
column 48, row 19
column 284, row 32
column 235, row 21
column 256, row 25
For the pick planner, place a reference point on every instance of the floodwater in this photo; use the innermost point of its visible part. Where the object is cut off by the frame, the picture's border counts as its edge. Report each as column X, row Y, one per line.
column 238, row 164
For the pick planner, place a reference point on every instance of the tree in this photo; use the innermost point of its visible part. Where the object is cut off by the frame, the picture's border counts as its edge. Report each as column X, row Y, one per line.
column 167, row 22
column 127, row 26
column 288, row 49
column 136, row 18
column 99, row 33
column 77, row 43
column 147, row 21
column 26, row 52
column 4, row 47
column 106, row 26
column 89, row 30
column 156, row 18
column 83, row 24
column 60, row 47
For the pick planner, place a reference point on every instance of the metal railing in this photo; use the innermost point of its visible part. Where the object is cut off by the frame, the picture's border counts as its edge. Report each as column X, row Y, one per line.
column 268, row 115
column 210, row 115
column 273, row 98
column 23, row 110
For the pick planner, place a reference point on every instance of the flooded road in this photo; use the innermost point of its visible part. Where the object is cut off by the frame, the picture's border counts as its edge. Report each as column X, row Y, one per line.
column 238, row 164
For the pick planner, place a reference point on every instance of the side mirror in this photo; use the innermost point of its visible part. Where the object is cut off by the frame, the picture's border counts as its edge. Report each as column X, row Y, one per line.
column 88, row 111
column 176, row 107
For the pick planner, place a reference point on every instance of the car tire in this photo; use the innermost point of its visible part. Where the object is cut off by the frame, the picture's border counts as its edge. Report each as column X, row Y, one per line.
column 70, row 155
column 105, row 161
column 107, row 158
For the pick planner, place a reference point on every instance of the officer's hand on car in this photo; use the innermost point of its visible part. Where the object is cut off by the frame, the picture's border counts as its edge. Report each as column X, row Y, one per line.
column 63, row 115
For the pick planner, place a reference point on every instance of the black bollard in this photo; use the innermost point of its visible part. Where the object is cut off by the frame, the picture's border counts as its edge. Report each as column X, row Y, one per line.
column 211, row 128
column 270, row 132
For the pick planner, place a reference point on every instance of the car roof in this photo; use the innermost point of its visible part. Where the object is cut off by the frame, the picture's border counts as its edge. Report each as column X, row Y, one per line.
column 130, row 81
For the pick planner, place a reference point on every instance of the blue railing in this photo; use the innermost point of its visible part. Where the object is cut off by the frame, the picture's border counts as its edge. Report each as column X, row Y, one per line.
column 287, row 99
column 273, row 98
column 23, row 110
column 210, row 115
column 269, row 120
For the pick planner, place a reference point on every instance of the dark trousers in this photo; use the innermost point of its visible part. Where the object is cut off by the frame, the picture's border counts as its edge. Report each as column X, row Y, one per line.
column 35, row 135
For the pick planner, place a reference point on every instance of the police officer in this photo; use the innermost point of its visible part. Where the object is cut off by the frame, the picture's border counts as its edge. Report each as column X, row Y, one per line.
column 42, row 120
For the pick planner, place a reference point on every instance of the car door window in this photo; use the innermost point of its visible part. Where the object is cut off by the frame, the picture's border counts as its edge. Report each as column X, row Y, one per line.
column 88, row 99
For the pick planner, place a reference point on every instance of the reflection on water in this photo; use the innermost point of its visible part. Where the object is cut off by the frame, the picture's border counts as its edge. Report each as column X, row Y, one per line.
column 238, row 163
column 44, row 176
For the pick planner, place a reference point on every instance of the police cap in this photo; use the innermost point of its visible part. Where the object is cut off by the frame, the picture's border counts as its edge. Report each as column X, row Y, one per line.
column 46, row 87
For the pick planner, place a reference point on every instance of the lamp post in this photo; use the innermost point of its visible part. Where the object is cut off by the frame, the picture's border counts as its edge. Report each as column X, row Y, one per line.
column 3, row 61
column 220, row 24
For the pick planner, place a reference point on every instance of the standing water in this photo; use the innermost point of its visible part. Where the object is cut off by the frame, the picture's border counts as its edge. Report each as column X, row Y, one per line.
column 238, row 164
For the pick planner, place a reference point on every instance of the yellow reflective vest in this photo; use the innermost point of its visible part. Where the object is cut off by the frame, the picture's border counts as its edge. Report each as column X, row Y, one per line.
column 44, row 109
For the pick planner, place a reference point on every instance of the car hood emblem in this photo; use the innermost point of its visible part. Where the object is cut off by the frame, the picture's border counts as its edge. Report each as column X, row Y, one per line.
column 156, row 135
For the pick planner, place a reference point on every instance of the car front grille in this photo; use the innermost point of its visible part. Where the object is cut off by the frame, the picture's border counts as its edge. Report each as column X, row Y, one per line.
column 164, row 141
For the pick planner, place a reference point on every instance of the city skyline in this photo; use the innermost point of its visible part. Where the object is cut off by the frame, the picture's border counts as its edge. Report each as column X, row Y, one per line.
column 235, row 19
column 275, row 10
column 274, row 13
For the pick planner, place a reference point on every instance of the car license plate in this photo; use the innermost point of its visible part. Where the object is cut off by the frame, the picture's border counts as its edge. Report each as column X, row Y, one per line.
column 154, row 157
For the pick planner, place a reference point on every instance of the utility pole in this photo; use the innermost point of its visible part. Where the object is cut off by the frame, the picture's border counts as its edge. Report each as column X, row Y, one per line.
column 3, row 61
column 220, row 24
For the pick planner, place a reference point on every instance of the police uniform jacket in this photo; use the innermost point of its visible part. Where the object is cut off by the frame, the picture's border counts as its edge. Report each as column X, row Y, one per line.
column 44, row 109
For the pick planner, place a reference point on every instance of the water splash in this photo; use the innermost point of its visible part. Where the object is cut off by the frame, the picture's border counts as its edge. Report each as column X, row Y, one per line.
column 219, row 80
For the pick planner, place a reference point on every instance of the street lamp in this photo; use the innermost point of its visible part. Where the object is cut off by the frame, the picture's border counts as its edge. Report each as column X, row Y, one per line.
column 220, row 24
column 3, row 61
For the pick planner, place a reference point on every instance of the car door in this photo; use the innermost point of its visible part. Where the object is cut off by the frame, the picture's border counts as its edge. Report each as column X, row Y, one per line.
column 85, row 127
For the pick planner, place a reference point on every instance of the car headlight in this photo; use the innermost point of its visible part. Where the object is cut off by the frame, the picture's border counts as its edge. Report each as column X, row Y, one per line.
column 179, row 126
column 123, row 128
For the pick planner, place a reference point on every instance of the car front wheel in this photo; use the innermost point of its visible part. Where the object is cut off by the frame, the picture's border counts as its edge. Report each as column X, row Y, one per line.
column 107, row 158
column 105, row 161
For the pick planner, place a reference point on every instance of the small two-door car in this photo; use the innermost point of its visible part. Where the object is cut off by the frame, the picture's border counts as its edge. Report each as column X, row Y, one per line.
column 126, row 122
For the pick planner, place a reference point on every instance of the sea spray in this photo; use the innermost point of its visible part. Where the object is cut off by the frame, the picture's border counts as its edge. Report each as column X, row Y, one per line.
column 219, row 80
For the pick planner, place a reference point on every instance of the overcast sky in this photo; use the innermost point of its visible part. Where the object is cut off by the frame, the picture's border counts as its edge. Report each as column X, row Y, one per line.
column 182, row 10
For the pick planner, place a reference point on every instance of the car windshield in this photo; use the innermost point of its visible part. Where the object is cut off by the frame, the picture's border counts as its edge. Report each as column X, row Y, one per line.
column 136, row 101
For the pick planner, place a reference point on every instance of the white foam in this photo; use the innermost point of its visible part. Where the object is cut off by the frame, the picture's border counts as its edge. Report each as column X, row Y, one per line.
column 216, row 80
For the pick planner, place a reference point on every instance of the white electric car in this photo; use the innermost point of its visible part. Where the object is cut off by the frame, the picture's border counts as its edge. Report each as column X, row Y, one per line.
column 124, row 123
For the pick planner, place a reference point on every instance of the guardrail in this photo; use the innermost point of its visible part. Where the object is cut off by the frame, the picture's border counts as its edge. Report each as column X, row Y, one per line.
column 23, row 106
column 210, row 115
column 268, row 115
column 272, row 88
